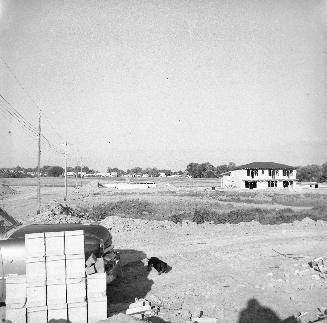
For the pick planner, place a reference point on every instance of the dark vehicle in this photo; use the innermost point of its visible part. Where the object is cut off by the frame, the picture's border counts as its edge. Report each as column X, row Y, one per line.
column 97, row 239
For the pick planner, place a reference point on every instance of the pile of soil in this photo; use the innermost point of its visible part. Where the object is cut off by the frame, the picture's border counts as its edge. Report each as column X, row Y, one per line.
column 86, row 190
column 56, row 212
column 6, row 190
column 118, row 224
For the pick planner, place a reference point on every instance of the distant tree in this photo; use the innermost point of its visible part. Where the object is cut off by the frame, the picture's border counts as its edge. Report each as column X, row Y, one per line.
column 193, row 170
column 323, row 176
column 231, row 166
column 167, row 172
column 309, row 173
column 115, row 169
column 222, row 169
column 201, row 170
column 55, row 171
column 136, row 170
column 152, row 172
column 207, row 170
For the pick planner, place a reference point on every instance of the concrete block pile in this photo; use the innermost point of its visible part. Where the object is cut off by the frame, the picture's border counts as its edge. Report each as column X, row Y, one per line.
column 56, row 286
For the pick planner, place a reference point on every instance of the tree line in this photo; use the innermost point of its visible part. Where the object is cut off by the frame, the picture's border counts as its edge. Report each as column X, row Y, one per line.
column 312, row 173
column 309, row 173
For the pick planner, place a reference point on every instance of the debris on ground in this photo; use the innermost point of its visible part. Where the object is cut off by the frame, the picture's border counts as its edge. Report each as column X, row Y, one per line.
column 140, row 308
column 322, row 313
column 159, row 265
column 289, row 255
column 56, row 212
column 319, row 264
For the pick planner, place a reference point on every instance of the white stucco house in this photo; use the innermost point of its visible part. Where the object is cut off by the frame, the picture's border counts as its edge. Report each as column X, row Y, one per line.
column 260, row 175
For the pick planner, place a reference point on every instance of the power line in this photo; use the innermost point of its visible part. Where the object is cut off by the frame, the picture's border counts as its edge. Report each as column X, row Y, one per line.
column 24, row 123
column 12, row 116
column 19, row 83
column 28, row 95
column 14, row 113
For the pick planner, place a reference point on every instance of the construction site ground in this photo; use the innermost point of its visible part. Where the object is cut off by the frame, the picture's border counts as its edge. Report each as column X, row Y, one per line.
column 228, row 271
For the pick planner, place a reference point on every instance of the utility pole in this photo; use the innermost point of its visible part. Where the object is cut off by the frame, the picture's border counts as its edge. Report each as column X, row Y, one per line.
column 65, row 198
column 38, row 168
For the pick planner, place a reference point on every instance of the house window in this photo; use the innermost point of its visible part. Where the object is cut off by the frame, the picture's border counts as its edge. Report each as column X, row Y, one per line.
column 284, row 172
column 291, row 172
column 262, row 172
column 248, row 173
column 277, row 172
column 270, row 172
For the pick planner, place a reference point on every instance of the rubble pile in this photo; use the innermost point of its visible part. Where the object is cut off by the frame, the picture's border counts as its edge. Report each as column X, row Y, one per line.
column 86, row 190
column 6, row 190
column 56, row 212
column 118, row 224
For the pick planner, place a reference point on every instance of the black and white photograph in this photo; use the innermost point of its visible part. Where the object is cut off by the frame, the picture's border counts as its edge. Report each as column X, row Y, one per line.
column 163, row 161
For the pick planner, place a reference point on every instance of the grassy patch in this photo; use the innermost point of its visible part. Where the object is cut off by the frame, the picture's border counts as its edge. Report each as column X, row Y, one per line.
column 263, row 216
column 127, row 208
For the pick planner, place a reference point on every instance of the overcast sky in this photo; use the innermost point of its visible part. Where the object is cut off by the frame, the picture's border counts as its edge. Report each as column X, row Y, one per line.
column 164, row 83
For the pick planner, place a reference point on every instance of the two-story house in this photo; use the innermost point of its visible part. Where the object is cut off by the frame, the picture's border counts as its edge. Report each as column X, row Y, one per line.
column 260, row 175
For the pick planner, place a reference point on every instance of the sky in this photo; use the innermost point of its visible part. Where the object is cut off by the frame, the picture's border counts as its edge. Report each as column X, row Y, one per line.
column 164, row 83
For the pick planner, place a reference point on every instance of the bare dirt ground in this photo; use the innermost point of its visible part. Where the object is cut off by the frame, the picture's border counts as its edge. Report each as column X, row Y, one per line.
column 220, row 268
column 230, row 271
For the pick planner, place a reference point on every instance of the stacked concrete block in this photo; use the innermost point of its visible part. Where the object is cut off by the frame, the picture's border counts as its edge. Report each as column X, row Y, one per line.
column 34, row 245
column 75, row 266
column 97, row 309
column 77, row 312
column 74, row 242
column 56, row 273
column 96, row 285
column 56, row 294
column 55, row 243
column 16, row 291
column 16, row 315
column 37, row 314
column 36, row 278
column 75, row 276
column 36, row 295
column 76, row 290
column 57, row 312
column 55, row 286
column 16, row 298
column 96, row 297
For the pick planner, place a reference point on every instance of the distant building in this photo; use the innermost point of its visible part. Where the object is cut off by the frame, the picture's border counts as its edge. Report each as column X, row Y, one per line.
column 111, row 174
column 260, row 175
column 162, row 175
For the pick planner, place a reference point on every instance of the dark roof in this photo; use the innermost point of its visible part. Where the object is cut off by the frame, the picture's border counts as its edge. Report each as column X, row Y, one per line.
column 264, row 165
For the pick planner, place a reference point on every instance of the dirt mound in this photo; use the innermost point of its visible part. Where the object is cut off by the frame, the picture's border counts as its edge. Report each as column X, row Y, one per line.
column 60, row 213
column 119, row 224
column 6, row 190
column 86, row 190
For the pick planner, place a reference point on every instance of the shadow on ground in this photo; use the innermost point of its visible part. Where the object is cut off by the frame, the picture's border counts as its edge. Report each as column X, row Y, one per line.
column 255, row 312
column 134, row 282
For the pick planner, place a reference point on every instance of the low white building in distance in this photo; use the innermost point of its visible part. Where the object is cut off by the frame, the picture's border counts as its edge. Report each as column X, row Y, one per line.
column 260, row 175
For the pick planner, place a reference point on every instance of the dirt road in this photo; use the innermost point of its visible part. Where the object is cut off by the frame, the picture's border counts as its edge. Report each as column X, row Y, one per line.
column 220, row 268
